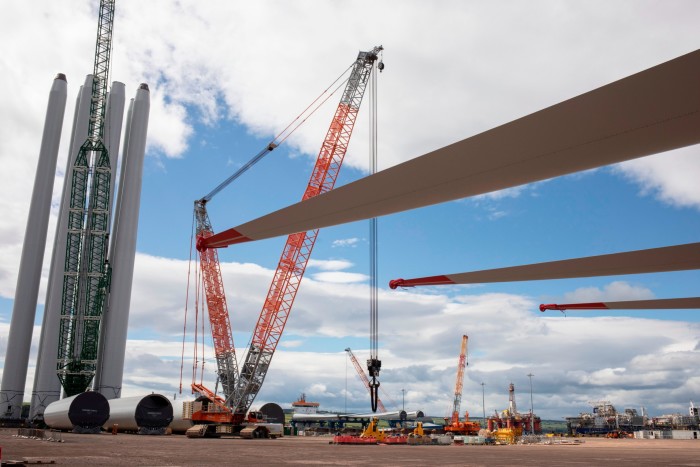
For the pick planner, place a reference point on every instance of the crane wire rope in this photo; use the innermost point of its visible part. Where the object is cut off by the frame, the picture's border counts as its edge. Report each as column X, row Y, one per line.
column 373, row 363
column 187, row 301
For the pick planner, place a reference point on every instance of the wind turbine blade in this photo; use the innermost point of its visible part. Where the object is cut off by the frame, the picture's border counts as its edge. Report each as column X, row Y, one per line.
column 650, row 112
column 670, row 258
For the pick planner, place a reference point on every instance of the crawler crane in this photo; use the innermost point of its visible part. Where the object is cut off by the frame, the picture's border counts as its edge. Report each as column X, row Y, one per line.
column 229, row 414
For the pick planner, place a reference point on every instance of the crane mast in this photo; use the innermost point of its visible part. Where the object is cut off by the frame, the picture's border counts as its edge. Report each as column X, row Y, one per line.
column 87, row 272
column 298, row 247
column 363, row 377
column 460, row 380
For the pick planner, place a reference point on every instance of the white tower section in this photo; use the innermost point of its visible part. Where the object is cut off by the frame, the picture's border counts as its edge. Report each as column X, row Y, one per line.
column 47, row 387
column 110, row 365
column 24, row 309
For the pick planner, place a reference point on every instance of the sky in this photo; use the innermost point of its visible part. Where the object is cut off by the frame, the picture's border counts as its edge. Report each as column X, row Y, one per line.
column 227, row 76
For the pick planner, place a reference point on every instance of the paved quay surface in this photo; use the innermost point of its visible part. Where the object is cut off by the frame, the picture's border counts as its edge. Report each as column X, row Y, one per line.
column 127, row 450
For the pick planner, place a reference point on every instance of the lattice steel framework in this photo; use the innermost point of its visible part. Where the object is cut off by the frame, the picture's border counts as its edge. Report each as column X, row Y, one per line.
column 87, row 272
column 224, row 350
column 297, row 250
column 460, row 380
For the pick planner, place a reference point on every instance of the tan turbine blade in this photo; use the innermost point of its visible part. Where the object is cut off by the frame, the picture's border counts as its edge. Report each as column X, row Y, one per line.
column 659, row 304
column 650, row 112
column 670, row 258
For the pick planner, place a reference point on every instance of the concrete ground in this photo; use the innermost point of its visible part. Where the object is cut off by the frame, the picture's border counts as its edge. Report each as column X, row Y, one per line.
column 127, row 450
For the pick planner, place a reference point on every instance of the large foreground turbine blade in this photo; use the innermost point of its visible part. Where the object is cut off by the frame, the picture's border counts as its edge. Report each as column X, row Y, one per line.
column 650, row 112
column 660, row 304
column 670, row 258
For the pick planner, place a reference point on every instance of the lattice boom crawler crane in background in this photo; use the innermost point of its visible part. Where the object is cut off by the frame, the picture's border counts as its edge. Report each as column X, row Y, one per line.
column 456, row 426
column 241, row 388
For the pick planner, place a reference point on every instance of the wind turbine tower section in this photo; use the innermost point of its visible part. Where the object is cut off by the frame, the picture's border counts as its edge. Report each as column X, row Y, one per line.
column 26, row 293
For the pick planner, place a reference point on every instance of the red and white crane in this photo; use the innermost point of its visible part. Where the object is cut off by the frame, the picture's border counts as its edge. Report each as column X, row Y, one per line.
column 455, row 426
column 241, row 388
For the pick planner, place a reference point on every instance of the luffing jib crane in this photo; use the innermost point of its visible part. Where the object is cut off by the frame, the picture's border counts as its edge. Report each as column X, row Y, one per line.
column 241, row 388
column 87, row 273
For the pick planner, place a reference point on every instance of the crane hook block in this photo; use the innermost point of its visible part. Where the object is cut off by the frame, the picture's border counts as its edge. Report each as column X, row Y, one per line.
column 380, row 65
column 373, row 367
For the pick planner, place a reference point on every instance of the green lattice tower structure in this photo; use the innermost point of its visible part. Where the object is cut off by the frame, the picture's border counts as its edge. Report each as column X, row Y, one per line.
column 86, row 272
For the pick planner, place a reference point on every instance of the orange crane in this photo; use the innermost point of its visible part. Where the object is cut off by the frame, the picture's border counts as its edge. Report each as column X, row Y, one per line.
column 241, row 388
column 457, row 427
column 363, row 377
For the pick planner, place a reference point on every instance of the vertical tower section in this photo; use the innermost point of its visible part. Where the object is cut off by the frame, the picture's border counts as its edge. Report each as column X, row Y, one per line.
column 87, row 271
column 47, row 387
column 32, row 257
column 110, row 367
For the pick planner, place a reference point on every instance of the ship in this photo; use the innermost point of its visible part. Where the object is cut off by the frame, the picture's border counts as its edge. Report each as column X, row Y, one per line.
column 302, row 406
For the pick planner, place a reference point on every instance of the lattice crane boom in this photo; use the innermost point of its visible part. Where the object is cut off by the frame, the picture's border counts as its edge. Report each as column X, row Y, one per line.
column 298, row 247
column 460, row 380
column 222, row 336
column 87, row 272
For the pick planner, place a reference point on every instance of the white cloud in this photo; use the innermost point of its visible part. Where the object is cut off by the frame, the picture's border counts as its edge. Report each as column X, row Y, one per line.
column 339, row 277
column 613, row 292
column 329, row 264
column 670, row 177
column 513, row 192
column 352, row 242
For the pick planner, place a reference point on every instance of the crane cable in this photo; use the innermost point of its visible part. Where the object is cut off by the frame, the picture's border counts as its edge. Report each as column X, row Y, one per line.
column 187, row 301
column 373, row 364
column 282, row 136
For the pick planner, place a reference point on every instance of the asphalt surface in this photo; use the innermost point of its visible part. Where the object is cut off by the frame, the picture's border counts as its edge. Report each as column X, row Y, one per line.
column 127, row 450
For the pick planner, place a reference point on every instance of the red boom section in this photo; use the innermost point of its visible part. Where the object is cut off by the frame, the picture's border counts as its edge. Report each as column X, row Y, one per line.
column 297, row 250
column 219, row 321
column 216, row 300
